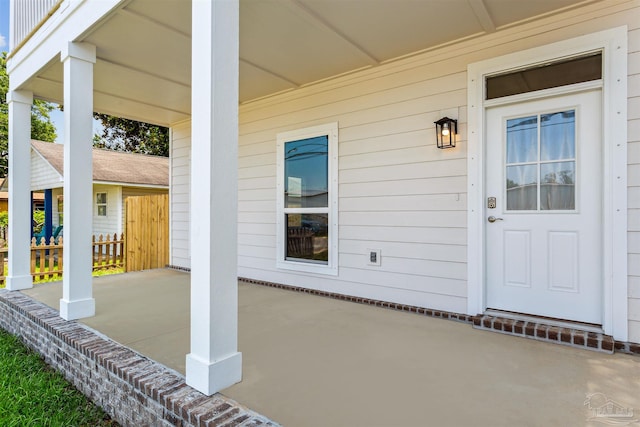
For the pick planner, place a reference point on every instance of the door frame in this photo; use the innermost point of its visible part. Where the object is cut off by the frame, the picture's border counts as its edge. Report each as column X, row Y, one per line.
column 613, row 44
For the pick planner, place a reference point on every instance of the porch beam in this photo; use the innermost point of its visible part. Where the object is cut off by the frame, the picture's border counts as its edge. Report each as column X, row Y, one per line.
column 313, row 16
column 77, row 292
column 482, row 13
column 214, row 362
column 19, row 176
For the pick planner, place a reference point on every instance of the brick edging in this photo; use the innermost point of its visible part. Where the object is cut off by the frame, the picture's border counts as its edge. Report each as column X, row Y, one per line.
column 538, row 330
column 535, row 330
column 133, row 389
column 542, row 332
column 627, row 347
column 528, row 329
column 178, row 268
column 459, row 317
column 367, row 301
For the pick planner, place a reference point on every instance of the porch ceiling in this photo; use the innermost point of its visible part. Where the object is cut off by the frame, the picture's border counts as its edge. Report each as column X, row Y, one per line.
column 143, row 70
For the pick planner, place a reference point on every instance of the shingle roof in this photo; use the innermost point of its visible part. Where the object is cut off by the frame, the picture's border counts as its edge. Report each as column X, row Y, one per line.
column 113, row 166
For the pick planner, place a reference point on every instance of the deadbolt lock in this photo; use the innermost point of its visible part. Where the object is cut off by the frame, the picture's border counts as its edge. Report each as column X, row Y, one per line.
column 491, row 203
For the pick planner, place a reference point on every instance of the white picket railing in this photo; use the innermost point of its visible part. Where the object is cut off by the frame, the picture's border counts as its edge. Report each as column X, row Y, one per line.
column 25, row 15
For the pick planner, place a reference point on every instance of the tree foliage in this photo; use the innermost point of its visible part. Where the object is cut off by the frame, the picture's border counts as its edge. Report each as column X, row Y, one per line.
column 41, row 126
column 131, row 136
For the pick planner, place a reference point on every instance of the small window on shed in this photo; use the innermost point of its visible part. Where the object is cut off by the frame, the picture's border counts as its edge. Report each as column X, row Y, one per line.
column 545, row 76
column 101, row 204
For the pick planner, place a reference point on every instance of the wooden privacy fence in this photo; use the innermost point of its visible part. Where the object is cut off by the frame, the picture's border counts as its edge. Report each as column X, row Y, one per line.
column 147, row 232
column 46, row 259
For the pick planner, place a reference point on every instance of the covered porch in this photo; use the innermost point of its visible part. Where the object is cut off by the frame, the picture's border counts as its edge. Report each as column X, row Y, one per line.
column 244, row 79
column 315, row 361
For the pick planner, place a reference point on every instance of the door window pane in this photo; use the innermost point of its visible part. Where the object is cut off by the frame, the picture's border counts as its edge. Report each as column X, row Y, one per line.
column 557, row 189
column 557, row 136
column 541, row 162
column 308, row 237
column 522, row 140
column 305, row 173
column 522, row 187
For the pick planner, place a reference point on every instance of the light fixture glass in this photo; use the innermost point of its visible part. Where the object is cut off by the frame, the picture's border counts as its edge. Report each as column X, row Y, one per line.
column 446, row 130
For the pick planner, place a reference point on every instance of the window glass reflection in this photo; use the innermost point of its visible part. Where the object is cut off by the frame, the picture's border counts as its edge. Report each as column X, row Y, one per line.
column 557, row 136
column 308, row 237
column 306, row 171
column 522, row 139
column 522, row 187
column 557, row 188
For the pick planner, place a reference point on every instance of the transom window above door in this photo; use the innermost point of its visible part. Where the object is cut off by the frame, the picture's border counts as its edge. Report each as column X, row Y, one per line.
column 540, row 166
column 584, row 68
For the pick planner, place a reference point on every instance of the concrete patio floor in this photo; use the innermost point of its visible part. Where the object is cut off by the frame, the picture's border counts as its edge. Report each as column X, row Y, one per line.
column 315, row 361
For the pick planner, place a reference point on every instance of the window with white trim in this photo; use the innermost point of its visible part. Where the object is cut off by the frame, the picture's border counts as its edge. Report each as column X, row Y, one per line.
column 101, row 204
column 307, row 178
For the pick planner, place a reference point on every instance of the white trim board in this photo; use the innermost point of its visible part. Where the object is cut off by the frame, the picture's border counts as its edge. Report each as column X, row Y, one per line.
column 613, row 44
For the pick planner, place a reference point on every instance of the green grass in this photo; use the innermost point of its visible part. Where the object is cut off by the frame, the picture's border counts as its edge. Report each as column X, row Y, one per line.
column 58, row 277
column 33, row 394
column 108, row 271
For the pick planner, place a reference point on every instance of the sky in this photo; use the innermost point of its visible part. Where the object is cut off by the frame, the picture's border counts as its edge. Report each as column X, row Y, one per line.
column 4, row 25
column 57, row 117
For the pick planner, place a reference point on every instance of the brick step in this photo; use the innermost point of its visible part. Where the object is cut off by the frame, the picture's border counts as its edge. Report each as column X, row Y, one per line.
column 540, row 331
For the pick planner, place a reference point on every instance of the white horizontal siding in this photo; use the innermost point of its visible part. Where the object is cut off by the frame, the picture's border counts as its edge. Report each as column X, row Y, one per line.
column 105, row 225
column 110, row 224
column 56, row 205
column 43, row 175
column 179, row 218
column 397, row 192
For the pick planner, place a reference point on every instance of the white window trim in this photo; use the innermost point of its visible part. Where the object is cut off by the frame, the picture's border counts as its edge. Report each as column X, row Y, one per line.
column 105, row 204
column 331, row 268
column 613, row 44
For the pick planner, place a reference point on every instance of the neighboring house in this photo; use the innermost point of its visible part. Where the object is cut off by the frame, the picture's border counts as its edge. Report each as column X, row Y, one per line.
column 37, row 204
column 116, row 176
column 38, row 199
column 308, row 157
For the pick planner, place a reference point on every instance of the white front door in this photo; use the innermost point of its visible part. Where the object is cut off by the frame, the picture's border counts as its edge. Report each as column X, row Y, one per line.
column 544, row 169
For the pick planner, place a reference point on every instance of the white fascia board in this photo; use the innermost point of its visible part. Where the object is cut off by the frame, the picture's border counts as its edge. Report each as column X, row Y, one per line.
column 71, row 21
column 130, row 184
column 48, row 187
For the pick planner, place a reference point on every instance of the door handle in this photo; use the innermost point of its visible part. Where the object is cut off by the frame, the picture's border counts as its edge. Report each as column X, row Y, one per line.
column 493, row 219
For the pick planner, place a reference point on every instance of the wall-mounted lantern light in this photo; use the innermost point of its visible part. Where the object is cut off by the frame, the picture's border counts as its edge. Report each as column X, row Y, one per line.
column 446, row 130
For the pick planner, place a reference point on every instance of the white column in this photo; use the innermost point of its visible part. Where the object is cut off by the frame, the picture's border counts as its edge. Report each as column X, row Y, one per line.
column 19, row 190
column 214, row 362
column 77, row 293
